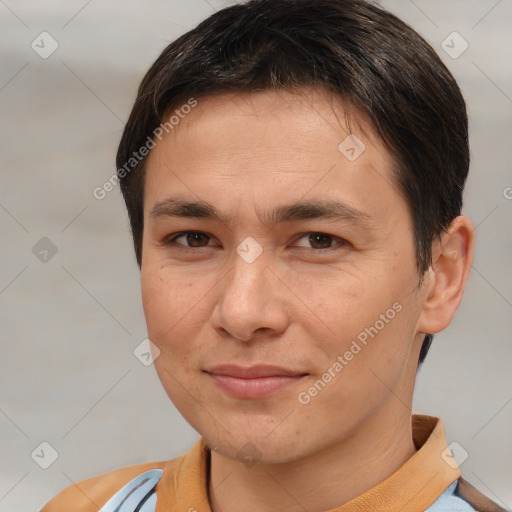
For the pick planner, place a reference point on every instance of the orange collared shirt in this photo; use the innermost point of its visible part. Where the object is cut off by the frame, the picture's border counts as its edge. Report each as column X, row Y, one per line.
column 184, row 484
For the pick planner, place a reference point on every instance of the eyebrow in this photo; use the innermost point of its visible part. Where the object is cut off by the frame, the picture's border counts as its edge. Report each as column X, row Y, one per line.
column 297, row 211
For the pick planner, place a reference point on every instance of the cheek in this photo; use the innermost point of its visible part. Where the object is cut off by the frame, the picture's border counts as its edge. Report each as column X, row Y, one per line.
column 168, row 301
column 368, row 318
column 336, row 304
column 172, row 307
column 365, row 365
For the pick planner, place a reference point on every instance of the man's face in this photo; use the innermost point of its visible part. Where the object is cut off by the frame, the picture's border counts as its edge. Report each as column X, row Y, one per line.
column 330, row 302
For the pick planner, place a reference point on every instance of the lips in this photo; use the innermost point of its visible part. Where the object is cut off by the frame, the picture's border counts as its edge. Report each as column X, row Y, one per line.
column 253, row 382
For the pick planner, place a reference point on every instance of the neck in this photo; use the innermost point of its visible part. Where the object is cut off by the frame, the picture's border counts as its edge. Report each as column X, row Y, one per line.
column 322, row 481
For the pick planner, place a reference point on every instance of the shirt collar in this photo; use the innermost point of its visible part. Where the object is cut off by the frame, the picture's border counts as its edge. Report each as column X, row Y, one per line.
column 415, row 486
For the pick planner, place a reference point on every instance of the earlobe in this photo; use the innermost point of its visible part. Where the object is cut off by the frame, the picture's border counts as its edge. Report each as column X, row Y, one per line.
column 443, row 287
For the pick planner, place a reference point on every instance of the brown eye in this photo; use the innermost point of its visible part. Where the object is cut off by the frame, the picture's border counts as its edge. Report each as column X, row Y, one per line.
column 197, row 239
column 192, row 239
column 320, row 241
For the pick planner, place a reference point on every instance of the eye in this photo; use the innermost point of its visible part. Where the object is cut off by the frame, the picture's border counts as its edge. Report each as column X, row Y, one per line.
column 319, row 241
column 191, row 239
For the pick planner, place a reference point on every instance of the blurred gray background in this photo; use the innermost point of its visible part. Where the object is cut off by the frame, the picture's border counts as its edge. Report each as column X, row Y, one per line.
column 70, row 307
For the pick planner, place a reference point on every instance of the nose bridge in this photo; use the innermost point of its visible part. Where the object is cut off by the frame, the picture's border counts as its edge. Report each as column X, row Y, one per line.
column 249, row 276
column 249, row 298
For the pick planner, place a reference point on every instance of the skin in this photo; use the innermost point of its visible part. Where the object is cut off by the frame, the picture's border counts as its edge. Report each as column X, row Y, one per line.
column 299, row 305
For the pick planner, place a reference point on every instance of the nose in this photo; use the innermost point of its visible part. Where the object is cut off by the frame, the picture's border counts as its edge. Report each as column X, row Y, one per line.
column 251, row 301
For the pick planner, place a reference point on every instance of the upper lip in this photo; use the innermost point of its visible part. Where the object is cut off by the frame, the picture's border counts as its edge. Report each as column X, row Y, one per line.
column 253, row 372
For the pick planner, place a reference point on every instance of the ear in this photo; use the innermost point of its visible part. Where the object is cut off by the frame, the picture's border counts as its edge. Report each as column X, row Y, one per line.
column 445, row 281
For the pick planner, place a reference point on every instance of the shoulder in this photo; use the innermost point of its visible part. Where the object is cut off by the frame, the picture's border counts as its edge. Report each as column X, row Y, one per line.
column 91, row 494
column 174, row 481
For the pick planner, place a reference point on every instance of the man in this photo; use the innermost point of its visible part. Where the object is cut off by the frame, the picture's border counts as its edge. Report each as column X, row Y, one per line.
column 293, row 173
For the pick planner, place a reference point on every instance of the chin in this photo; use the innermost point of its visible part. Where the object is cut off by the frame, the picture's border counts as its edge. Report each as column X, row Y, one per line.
column 256, row 446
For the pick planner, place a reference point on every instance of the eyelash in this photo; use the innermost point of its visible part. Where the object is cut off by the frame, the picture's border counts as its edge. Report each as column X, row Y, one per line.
column 172, row 240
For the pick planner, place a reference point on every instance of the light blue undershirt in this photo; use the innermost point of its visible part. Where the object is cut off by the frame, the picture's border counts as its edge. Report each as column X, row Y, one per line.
column 448, row 501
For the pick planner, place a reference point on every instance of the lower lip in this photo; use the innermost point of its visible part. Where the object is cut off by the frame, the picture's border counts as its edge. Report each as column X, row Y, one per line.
column 260, row 387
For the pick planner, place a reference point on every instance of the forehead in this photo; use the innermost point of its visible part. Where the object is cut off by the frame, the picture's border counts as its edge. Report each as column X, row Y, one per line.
column 259, row 146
